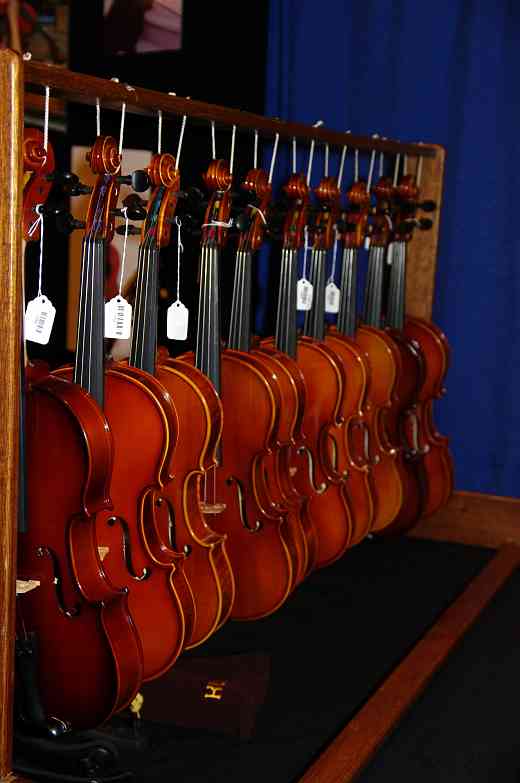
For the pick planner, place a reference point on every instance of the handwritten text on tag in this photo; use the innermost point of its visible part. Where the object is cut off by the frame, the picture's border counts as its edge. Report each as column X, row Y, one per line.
column 118, row 318
column 38, row 321
column 332, row 298
column 177, row 321
column 303, row 294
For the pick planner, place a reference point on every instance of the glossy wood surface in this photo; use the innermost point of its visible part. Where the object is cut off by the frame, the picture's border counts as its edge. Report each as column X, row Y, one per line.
column 84, row 629
column 11, row 131
column 143, row 423
column 207, row 566
column 350, row 752
column 84, row 89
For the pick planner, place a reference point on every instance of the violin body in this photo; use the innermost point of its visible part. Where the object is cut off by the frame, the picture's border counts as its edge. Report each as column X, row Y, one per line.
column 324, row 378
column 260, row 544
column 138, row 556
column 90, row 662
column 387, row 477
column 421, row 432
column 294, row 396
column 409, row 379
column 207, row 566
column 359, row 482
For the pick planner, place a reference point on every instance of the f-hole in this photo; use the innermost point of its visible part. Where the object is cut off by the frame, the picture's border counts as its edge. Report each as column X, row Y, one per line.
column 127, row 551
column 233, row 481
column 172, row 525
column 319, row 490
column 44, row 551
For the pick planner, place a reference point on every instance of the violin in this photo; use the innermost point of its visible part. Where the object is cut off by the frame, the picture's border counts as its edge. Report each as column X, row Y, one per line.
column 259, row 542
column 422, row 436
column 89, row 661
column 143, row 422
column 352, row 464
column 406, row 361
column 179, row 505
column 324, row 375
column 277, row 463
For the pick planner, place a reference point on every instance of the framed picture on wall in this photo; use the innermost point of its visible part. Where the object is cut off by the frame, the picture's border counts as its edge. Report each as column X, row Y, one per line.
column 141, row 26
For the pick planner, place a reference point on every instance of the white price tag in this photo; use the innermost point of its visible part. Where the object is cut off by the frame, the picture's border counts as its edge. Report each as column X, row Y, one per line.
column 118, row 318
column 177, row 321
column 390, row 254
column 38, row 321
column 332, row 298
column 303, row 294
column 366, row 243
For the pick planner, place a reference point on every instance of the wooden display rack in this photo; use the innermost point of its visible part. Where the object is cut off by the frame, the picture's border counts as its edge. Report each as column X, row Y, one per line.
column 468, row 518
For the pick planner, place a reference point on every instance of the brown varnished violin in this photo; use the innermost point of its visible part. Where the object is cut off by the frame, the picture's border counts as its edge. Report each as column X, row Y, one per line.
column 143, row 422
column 282, row 369
column 351, row 465
column 179, row 512
column 324, row 375
column 259, row 542
column 406, row 362
column 422, row 435
column 89, row 654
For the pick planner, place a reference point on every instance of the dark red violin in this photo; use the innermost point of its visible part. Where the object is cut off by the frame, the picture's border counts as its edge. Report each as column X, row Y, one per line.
column 315, row 474
column 259, row 541
column 89, row 661
column 422, row 435
column 179, row 504
column 143, row 422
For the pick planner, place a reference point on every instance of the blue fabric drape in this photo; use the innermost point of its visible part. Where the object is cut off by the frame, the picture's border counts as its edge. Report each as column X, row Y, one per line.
column 444, row 73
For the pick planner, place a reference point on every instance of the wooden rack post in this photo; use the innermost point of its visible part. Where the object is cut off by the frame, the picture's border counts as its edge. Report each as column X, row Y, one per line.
column 11, row 125
column 69, row 86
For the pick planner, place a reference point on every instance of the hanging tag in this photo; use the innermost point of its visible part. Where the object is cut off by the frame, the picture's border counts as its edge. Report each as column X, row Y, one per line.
column 390, row 254
column 332, row 298
column 177, row 321
column 118, row 318
column 367, row 243
column 38, row 321
column 304, row 294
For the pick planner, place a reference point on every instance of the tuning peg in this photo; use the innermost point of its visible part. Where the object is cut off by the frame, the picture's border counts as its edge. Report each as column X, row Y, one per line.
column 242, row 221
column 69, row 182
column 427, row 206
column 132, row 230
column 138, row 180
column 79, row 190
column 66, row 223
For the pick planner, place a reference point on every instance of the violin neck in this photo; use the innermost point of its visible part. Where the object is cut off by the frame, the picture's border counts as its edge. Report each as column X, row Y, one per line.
column 314, row 325
column 143, row 348
column 397, row 287
column 240, row 326
column 285, row 337
column 347, row 316
column 89, row 370
column 374, row 287
column 207, row 351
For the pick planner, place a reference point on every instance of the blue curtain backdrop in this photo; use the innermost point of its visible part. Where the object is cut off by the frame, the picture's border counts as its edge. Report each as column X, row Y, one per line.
column 445, row 73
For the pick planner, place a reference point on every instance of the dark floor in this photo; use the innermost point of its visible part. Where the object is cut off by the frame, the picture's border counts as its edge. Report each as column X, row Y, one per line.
column 330, row 647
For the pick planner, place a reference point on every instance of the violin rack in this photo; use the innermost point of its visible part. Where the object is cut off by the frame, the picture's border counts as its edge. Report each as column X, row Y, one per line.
column 464, row 519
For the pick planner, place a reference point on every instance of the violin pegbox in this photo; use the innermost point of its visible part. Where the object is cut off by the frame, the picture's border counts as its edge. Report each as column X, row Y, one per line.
column 218, row 180
column 105, row 162
column 38, row 164
column 328, row 195
column 257, row 184
column 297, row 192
column 165, row 180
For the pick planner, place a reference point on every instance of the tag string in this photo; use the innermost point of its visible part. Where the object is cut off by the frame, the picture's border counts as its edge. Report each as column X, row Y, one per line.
column 294, row 155
column 255, row 151
column 159, row 131
column 180, row 250
column 232, row 155
column 122, row 128
column 32, row 229
column 213, row 146
column 273, row 157
column 46, row 119
column 181, row 137
column 124, row 210
column 256, row 209
column 98, row 118
column 305, row 251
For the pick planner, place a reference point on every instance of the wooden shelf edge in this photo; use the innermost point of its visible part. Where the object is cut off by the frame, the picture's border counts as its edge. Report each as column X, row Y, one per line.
column 475, row 519
column 345, row 758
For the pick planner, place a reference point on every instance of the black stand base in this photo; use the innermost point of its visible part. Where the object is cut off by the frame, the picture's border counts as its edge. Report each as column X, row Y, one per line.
column 101, row 756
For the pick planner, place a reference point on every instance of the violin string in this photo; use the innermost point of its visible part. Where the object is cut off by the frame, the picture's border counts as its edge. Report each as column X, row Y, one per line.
column 80, row 327
column 92, row 267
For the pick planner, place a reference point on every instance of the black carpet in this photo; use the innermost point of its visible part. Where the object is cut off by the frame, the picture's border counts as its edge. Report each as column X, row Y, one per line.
column 464, row 728
column 330, row 647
